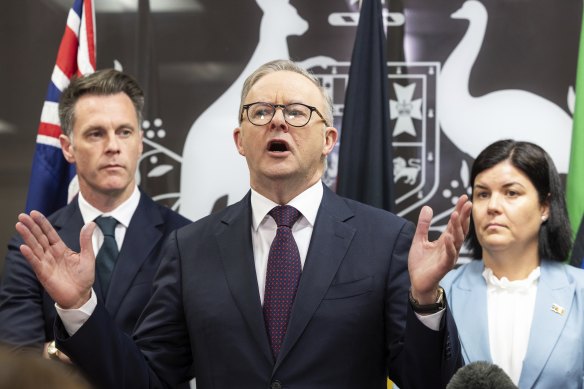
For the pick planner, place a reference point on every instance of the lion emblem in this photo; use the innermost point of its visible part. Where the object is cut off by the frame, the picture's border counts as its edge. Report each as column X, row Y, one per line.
column 408, row 170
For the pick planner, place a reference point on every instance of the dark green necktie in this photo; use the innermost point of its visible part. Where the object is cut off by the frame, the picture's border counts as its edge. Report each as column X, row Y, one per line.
column 108, row 253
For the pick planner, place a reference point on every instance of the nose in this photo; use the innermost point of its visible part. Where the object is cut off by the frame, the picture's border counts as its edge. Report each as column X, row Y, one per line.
column 113, row 143
column 493, row 203
column 278, row 121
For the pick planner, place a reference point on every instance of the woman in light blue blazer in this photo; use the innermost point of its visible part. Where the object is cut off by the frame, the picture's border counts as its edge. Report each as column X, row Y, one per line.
column 519, row 306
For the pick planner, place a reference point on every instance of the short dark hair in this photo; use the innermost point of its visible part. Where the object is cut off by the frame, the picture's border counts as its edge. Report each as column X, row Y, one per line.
column 101, row 83
column 555, row 234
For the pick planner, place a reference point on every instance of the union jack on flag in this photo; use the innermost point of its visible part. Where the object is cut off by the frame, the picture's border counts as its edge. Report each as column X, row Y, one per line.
column 51, row 174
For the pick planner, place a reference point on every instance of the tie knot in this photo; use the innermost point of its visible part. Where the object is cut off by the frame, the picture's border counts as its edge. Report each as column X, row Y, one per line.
column 285, row 215
column 107, row 225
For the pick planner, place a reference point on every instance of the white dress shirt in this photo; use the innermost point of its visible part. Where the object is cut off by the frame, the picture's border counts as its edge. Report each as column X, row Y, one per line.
column 263, row 229
column 510, row 306
column 123, row 214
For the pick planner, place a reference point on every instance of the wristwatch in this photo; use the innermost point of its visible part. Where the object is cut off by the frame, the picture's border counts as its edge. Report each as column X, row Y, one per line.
column 428, row 308
column 52, row 350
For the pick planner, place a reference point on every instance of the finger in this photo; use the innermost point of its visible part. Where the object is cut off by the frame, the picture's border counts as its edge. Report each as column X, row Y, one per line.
column 33, row 248
column 85, row 240
column 451, row 251
column 63, row 357
column 46, row 227
column 460, row 203
column 34, row 230
column 460, row 220
column 41, row 243
column 456, row 230
column 30, row 256
column 465, row 217
column 45, row 351
column 424, row 221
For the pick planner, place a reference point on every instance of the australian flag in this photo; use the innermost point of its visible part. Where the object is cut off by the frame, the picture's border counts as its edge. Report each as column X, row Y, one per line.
column 365, row 157
column 51, row 174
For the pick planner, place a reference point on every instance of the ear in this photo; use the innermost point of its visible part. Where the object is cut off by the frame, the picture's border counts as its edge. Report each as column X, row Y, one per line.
column 331, row 136
column 141, row 147
column 545, row 209
column 67, row 148
column 238, row 139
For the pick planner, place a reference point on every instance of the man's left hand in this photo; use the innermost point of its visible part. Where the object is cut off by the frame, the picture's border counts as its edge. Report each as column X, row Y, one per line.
column 429, row 261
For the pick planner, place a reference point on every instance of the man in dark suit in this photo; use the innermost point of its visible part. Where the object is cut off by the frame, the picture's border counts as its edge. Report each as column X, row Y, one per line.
column 245, row 299
column 100, row 116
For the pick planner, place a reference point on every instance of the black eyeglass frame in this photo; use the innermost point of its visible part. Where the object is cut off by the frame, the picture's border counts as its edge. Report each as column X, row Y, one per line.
column 312, row 109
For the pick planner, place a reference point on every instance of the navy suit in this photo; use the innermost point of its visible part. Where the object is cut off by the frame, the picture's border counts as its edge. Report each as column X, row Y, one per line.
column 27, row 313
column 347, row 328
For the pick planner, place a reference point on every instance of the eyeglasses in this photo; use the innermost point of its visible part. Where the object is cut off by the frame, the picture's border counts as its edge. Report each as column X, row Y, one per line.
column 296, row 115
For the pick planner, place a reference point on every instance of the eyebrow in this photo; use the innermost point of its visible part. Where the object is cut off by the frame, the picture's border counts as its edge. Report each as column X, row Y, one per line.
column 483, row 186
column 99, row 127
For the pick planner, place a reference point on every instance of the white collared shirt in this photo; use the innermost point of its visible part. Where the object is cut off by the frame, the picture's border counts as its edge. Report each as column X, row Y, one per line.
column 263, row 229
column 123, row 214
column 510, row 306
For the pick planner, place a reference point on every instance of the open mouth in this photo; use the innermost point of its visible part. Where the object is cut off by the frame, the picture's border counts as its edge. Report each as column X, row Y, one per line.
column 278, row 146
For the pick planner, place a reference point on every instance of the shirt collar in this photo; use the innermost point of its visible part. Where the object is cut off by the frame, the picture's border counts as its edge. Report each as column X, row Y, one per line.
column 123, row 213
column 504, row 283
column 306, row 202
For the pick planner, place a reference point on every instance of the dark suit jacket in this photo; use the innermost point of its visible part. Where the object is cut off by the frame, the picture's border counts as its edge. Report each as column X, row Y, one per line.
column 347, row 328
column 27, row 313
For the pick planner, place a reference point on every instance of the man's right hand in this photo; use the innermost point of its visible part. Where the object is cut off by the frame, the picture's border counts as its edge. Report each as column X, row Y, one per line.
column 67, row 276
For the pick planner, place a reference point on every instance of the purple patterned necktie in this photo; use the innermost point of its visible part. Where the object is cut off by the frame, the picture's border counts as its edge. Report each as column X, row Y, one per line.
column 282, row 276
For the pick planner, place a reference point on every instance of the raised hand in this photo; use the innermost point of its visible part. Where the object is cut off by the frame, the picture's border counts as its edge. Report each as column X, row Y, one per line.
column 429, row 261
column 67, row 276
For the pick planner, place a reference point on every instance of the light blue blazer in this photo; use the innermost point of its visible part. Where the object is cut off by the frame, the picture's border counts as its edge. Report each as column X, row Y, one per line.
column 555, row 353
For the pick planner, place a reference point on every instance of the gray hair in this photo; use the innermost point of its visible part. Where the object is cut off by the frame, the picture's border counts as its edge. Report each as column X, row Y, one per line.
column 280, row 65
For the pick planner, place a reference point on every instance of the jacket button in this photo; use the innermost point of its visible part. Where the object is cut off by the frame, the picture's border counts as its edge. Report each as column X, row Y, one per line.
column 276, row 385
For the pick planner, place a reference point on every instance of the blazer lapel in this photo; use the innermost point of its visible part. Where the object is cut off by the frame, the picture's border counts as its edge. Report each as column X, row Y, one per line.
column 330, row 240
column 471, row 309
column 547, row 325
column 68, row 224
column 141, row 236
column 234, row 241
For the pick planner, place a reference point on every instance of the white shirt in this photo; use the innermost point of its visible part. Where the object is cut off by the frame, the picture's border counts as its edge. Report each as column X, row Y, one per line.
column 510, row 306
column 123, row 214
column 263, row 229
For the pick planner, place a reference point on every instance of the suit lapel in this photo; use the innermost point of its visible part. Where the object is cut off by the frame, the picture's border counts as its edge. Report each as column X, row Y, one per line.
column 547, row 325
column 234, row 241
column 330, row 240
column 141, row 236
column 68, row 224
column 471, row 309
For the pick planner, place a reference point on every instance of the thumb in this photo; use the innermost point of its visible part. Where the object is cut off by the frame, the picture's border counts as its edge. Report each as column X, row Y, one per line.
column 85, row 240
column 424, row 221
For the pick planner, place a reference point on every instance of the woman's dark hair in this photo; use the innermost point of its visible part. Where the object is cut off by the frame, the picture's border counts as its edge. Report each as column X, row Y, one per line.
column 536, row 164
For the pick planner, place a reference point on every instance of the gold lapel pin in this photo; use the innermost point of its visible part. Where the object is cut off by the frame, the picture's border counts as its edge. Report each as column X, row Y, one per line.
column 557, row 309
